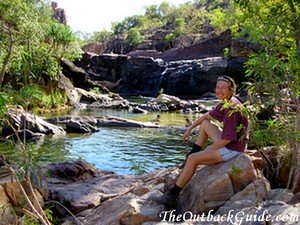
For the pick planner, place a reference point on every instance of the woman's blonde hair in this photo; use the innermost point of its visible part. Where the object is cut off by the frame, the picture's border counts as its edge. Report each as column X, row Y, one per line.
column 230, row 81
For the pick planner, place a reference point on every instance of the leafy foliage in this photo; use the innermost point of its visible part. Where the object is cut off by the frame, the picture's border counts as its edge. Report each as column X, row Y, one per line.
column 134, row 37
column 170, row 37
column 32, row 97
column 188, row 18
column 197, row 22
column 236, row 170
column 268, row 133
column 102, row 36
column 32, row 44
column 180, row 26
column 275, row 69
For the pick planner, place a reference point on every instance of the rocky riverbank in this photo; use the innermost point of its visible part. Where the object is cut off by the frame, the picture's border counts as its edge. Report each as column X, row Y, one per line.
column 35, row 127
column 231, row 189
column 236, row 187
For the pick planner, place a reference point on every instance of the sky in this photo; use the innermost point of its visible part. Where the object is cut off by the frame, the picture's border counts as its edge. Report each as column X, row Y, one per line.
column 95, row 15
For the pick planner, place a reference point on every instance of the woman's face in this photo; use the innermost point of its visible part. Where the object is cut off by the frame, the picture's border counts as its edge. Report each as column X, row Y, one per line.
column 223, row 90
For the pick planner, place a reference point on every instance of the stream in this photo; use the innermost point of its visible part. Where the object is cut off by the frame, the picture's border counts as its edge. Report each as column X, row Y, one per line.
column 127, row 151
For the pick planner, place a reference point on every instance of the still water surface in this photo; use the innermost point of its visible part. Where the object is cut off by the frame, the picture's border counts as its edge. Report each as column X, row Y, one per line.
column 122, row 150
column 131, row 150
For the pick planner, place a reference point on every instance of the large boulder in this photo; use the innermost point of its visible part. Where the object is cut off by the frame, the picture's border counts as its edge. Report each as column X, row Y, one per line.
column 7, row 212
column 182, row 41
column 142, row 76
column 12, row 197
column 77, row 126
column 118, row 45
column 109, row 190
column 96, row 48
column 103, row 197
column 113, row 121
column 84, row 122
column 148, row 76
column 74, row 171
column 65, row 84
column 90, row 97
column 256, row 205
column 212, row 47
column 106, row 66
column 125, row 210
column 77, row 75
column 193, row 77
column 23, row 120
column 213, row 185
column 256, row 192
column 233, row 187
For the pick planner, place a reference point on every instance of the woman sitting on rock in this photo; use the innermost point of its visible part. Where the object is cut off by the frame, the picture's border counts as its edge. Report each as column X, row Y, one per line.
column 228, row 142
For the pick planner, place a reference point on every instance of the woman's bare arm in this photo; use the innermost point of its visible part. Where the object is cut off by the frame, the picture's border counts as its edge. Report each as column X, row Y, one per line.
column 197, row 123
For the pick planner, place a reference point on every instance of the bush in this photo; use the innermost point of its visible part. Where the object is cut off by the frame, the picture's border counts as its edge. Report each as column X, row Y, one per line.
column 134, row 37
column 170, row 37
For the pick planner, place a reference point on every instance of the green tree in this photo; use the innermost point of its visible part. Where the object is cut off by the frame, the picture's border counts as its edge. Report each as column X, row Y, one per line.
column 170, row 37
column 118, row 27
column 102, row 36
column 134, row 37
column 229, row 17
column 127, row 24
column 153, row 12
column 180, row 26
column 196, row 24
column 275, row 69
column 12, row 29
column 61, row 38
column 32, row 44
column 182, row 12
column 165, row 8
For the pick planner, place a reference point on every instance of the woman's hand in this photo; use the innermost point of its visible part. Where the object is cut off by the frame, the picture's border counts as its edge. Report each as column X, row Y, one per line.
column 186, row 135
column 198, row 122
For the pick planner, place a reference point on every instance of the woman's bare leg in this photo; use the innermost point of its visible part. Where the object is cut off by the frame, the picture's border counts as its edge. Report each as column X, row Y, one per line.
column 206, row 157
column 200, row 158
column 208, row 130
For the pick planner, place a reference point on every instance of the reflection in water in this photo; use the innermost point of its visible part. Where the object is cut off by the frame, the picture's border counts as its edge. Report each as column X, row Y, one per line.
column 130, row 151
column 122, row 150
column 41, row 152
column 166, row 118
column 125, row 151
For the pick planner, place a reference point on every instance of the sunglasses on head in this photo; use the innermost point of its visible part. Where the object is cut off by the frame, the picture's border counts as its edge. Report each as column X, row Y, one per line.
column 225, row 78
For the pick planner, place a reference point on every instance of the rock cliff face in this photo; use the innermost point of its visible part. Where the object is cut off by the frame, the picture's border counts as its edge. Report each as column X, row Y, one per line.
column 58, row 13
column 190, row 70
